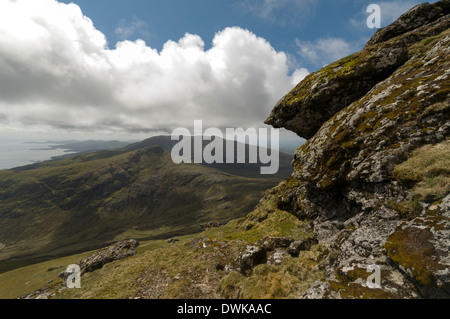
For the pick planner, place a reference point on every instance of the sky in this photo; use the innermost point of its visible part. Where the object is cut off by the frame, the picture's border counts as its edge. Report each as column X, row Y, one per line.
column 110, row 69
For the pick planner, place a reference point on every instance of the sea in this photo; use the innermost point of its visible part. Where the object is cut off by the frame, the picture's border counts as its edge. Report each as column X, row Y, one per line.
column 15, row 153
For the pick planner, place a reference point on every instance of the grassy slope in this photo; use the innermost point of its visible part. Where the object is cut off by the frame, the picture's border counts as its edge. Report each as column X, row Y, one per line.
column 190, row 268
column 90, row 200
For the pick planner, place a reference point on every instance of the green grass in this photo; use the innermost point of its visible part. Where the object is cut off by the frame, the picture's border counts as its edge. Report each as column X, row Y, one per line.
column 252, row 228
column 21, row 281
column 427, row 172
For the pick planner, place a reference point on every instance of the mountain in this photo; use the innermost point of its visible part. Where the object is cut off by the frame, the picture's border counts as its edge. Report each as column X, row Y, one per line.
column 246, row 169
column 364, row 214
column 86, row 201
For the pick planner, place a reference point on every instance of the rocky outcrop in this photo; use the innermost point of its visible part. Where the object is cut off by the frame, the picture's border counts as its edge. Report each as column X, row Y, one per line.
column 251, row 257
column 363, row 116
column 118, row 251
column 97, row 260
column 319, row 97
column 301, row 245
column 322, row 94
column 270, row 250
column 418, row 16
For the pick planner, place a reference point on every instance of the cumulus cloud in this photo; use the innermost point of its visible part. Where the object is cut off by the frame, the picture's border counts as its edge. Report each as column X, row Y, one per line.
column 57, row 71
column 324, row 51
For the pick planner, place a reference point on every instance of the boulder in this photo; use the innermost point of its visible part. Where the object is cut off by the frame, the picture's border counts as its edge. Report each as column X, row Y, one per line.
column 118, row 251
column 277, row 257
column 296, row 247
column 270, row 243
column 251, row 257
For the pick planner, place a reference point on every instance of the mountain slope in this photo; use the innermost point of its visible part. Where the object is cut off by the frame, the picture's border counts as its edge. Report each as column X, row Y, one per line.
column 246, row 169
column 87, row 201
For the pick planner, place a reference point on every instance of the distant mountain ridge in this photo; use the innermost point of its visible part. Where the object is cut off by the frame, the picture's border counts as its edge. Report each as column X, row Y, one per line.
column 166, row 143
column 246, row 169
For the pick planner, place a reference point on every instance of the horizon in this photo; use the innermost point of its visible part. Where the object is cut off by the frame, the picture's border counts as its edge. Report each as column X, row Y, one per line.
column 23, row 152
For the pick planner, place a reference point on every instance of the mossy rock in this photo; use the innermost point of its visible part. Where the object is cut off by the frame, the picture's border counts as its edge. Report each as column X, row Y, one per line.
column 413, row 246
column 324, row 93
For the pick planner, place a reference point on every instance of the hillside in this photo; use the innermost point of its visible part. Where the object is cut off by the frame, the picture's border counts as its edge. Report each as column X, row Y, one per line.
column 87, row 201
column 370, row 187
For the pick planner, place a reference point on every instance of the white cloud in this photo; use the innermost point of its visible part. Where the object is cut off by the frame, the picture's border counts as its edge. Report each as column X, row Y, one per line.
column 279, row 11
column 56, row 71
column 324, row 51
column 135, row 27
column 299, row 75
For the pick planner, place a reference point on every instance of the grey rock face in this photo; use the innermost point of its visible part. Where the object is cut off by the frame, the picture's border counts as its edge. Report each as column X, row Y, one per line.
column 251, row 257
column 343, row 176
column 347, row 166
column 324, row 93
column 277, row 257
column 420, row 248
column 272, row 243
column 418, row 16
column 118, row 251
column 296, row 247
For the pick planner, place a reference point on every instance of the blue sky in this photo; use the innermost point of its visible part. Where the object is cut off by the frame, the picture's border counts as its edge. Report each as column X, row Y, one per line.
column 132, row 69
